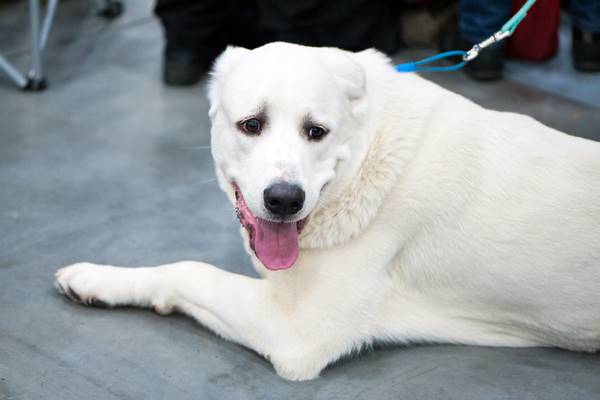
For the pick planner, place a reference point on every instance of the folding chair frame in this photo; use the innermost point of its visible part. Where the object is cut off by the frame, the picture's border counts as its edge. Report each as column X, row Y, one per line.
column 35, row 79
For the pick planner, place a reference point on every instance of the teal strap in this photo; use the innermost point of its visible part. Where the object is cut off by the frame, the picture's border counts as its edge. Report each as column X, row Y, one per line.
column 516, row 19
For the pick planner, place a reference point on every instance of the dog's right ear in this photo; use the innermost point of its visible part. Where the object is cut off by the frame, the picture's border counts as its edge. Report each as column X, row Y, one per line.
column 220, row 69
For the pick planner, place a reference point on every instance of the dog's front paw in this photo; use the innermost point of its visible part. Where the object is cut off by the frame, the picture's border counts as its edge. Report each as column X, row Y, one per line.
column 88, row 284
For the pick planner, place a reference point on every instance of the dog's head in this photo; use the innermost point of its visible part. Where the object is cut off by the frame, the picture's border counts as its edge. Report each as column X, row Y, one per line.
column 282, row 116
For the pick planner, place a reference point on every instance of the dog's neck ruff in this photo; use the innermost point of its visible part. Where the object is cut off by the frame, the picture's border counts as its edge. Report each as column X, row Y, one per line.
column 351, row 213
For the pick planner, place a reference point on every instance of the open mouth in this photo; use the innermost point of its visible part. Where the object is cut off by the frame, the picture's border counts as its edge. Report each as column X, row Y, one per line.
column 274, row 243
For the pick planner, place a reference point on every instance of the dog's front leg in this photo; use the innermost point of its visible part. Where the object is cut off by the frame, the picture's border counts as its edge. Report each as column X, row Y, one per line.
column 242, row 309
column 223, row 301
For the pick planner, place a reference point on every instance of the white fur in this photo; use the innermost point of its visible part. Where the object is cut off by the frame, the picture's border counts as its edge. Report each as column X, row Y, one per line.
column 440, row 221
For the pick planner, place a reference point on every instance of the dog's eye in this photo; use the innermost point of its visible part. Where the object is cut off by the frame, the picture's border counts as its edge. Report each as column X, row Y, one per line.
column 251, row 126
column 315, row 132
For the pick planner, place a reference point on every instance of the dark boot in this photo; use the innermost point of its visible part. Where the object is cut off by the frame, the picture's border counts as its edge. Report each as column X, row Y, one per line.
column 184, row 68
column 586, row 50
column 194, row 36
column 489, row 64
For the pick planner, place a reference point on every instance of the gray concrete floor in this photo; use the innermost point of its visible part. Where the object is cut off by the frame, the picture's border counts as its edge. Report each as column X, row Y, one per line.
column 108, row 166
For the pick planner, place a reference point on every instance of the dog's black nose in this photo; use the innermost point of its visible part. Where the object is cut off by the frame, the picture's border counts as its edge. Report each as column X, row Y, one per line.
column 283, row 199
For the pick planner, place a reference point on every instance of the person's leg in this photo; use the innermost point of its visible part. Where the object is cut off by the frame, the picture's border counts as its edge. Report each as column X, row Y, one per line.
column 349, row 24
column 477, row 20
column 194, row 36
column 585, row 15
column 243, row 25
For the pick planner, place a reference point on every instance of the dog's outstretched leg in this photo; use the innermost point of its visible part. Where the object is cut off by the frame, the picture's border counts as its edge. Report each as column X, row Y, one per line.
column 236, row 307
column 209, row 294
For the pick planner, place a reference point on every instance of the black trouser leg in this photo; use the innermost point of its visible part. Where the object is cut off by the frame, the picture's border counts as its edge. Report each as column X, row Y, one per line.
column 194, row 27
column 349, row 24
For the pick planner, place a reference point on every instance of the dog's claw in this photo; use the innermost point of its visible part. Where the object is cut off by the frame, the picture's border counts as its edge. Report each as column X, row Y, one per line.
column 73, row 295
column 59, row 287
column 67, row 291
column 98, row 303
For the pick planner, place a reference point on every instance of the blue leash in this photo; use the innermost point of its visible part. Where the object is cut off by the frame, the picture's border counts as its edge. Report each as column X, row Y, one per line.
column 416, row 66
column 507, row 29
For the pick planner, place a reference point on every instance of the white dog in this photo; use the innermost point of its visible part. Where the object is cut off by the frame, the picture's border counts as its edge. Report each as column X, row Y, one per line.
column 378, row 206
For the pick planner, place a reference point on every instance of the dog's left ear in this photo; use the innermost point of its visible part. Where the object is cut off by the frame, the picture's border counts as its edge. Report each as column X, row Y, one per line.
column 221, row 67
column 349, row 74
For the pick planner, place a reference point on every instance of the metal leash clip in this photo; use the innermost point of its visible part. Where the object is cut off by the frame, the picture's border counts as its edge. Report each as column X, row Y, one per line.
column 507, row 29
column 476, row 49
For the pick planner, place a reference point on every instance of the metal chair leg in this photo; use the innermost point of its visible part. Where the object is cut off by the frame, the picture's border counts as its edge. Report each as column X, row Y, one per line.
column 35, row 78
column 12, row 72
column 47, row 24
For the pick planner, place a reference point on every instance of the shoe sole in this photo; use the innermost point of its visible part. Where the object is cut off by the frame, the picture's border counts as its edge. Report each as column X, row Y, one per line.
column 587, row 66
column 484, row 76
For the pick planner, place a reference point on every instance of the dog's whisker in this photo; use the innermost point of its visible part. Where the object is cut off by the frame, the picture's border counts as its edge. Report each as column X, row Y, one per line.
column 204, row 182
column 196, row 147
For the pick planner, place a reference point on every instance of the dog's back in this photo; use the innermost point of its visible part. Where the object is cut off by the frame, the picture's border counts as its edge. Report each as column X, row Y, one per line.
column 499, row 222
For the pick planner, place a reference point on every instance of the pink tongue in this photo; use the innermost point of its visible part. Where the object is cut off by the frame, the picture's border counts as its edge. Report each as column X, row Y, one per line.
column 276, row 244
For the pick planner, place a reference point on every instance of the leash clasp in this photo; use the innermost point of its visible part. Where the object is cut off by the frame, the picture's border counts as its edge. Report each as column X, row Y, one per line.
column 476, row 49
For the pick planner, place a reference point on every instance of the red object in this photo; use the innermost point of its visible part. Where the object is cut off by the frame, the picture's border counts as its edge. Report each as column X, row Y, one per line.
column 536, row 38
